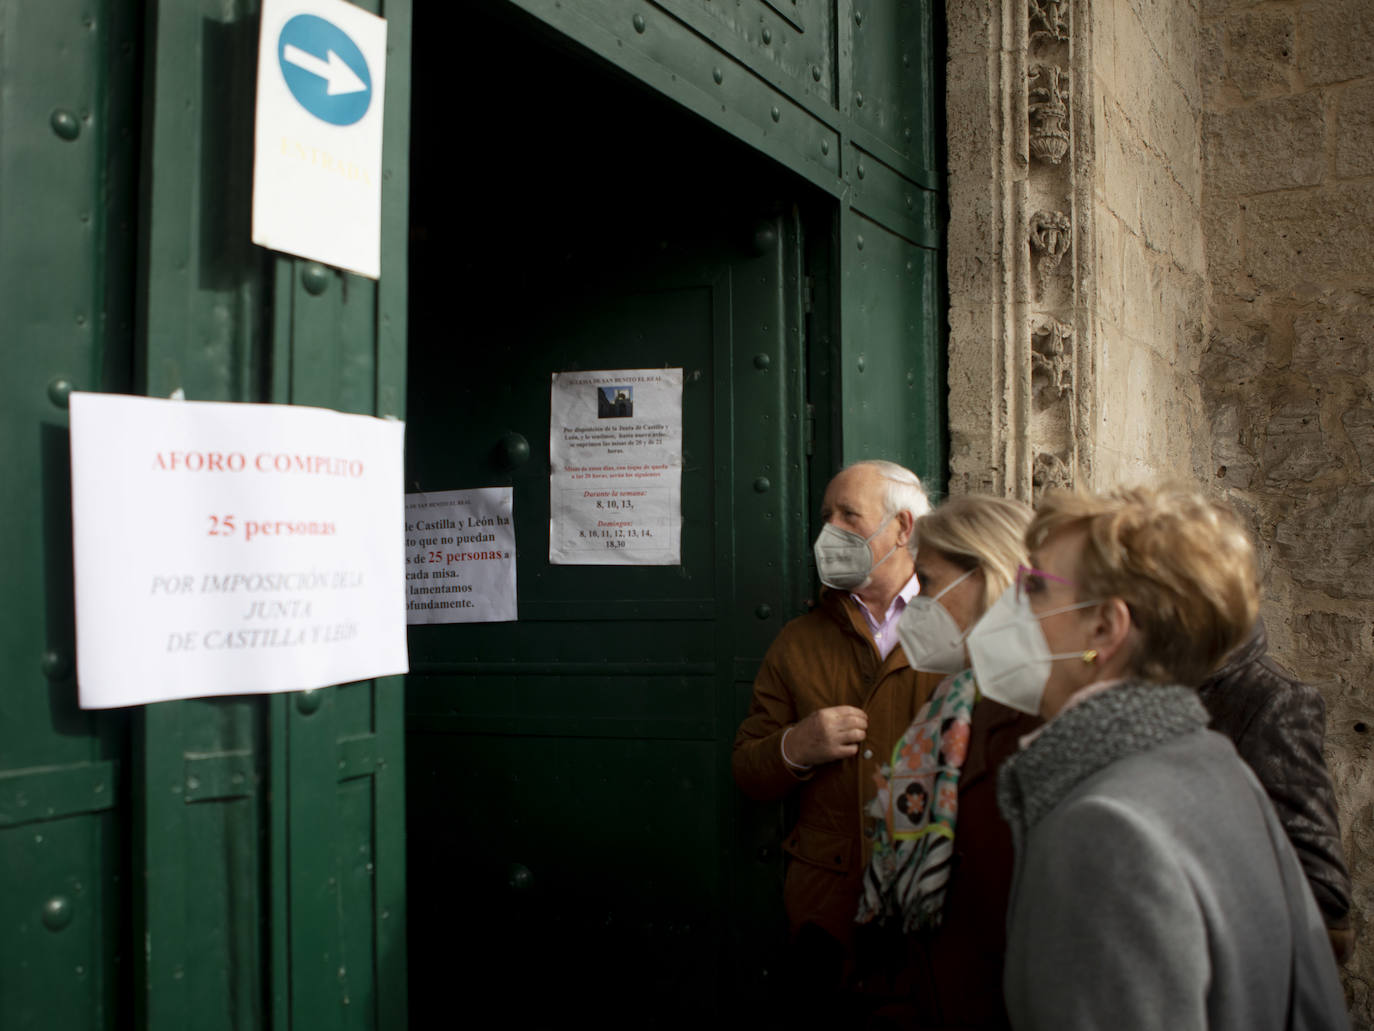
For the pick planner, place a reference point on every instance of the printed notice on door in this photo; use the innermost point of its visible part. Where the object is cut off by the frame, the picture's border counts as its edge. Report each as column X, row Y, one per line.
column 615, row 451
column 460, row 556
column 233, row 548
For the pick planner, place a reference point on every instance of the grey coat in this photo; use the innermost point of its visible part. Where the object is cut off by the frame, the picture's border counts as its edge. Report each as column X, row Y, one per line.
column 1154, row 887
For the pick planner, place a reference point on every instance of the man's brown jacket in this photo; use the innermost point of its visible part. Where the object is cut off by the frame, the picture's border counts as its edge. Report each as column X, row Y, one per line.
column 826, row 658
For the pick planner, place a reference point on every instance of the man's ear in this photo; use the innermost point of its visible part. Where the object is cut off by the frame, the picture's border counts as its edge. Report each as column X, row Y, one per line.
column 904, row 525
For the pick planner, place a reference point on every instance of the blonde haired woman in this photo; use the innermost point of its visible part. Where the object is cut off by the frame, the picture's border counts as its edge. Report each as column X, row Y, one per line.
column 1154, row 886
column 933, row 910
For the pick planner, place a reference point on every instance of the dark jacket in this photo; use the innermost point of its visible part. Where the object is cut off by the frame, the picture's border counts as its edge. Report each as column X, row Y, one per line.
column 1278, row 725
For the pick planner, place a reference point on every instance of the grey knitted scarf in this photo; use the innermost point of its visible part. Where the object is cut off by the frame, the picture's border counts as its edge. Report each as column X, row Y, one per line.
column 1121, row 721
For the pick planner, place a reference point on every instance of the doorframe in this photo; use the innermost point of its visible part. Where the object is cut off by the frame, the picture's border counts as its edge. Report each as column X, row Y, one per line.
column 681, row 52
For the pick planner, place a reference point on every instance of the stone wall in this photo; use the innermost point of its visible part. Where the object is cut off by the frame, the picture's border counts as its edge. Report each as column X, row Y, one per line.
column 1211, row 311
column 1288, row 373
column 1076, row 264
column 1147, row 196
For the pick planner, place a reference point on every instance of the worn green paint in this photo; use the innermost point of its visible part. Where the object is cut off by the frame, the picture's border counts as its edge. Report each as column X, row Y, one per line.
column 66, row 194
column 281, row 907
column 580, row 757
column 198, row 908
column 223, row 861
column 860, row 127
column 147, row 853
column 887, row 297
column 581, row 777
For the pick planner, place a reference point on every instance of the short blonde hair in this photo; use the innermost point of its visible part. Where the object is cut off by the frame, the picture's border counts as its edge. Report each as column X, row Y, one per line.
column 978, row 531
column 1183, row 565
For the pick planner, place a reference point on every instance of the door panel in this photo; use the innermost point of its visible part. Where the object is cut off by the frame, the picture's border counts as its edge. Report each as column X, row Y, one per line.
column 270, row 838
column 200, row 900
column 890, row 320
column 567, row 768
column 571, row 810
column 845, row 95
column 200, row 903
column 893, row 86
column 794, row 36
column 67, row 189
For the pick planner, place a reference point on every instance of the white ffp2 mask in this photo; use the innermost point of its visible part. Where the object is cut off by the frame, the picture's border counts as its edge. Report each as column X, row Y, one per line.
column 843, row 558
column 931, row 639
column 1010, row 657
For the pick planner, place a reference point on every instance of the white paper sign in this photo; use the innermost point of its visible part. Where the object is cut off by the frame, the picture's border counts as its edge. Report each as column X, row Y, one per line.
column 317, row 169
column 615, row 486
column 460, row 556
column 233, row 548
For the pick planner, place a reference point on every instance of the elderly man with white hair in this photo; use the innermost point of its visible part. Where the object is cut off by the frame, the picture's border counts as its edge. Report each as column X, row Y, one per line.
column 830, row 700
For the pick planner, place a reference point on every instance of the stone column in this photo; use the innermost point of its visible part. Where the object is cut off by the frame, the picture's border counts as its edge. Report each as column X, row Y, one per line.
column 1075, row 244
column 1020, row 274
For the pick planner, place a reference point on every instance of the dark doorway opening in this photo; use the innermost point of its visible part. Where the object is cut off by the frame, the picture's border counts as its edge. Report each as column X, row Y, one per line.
column 575, row 844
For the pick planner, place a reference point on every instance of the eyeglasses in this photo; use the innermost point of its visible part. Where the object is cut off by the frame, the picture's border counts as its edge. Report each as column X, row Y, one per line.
column 1030, row 581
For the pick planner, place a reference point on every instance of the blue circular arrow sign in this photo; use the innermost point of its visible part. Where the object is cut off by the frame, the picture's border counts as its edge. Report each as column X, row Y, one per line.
column 324, row 69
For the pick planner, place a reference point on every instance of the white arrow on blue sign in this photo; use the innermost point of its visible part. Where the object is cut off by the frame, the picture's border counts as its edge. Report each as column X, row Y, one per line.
column 317, row 148
column 324, row 69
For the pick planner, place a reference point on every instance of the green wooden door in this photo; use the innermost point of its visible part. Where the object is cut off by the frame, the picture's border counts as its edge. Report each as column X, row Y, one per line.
column 745, row 191
column 238, row 863
column 270, row 835
column 67, row 191
column 227, row 863
column 570, row 801
column 844, row 94
column 576, row 844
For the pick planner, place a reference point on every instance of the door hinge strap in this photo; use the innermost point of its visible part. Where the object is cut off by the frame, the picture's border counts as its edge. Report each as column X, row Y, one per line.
column 219, row 776
column 54, row 792
column 359, row 756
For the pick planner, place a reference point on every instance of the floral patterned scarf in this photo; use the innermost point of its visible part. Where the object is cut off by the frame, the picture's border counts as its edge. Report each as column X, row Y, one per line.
column 916, row 806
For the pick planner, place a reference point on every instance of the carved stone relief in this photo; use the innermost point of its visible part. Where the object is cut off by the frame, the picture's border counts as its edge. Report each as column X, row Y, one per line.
column 1049, row 107
column 1051, row 361
column 1032, row 279
column 1050, row 236
column 1049, row 472
column 1049, row 19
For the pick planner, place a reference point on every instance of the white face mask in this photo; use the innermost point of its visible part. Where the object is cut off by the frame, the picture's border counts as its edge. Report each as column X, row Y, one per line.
column 843, row 558
column 931, row 639
column 1011, row 659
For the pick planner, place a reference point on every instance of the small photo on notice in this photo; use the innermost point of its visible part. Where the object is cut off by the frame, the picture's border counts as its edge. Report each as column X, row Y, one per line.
column 615, row 402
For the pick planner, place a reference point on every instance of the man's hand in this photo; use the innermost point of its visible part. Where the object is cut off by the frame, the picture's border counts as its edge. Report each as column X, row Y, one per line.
column 827, row 734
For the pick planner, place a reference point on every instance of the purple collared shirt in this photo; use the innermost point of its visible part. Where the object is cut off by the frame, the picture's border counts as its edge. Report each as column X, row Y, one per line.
column 885, row 633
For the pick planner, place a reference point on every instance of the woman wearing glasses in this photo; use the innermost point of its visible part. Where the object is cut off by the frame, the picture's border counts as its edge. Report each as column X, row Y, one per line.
column 1154, row 886
column 933, row 909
